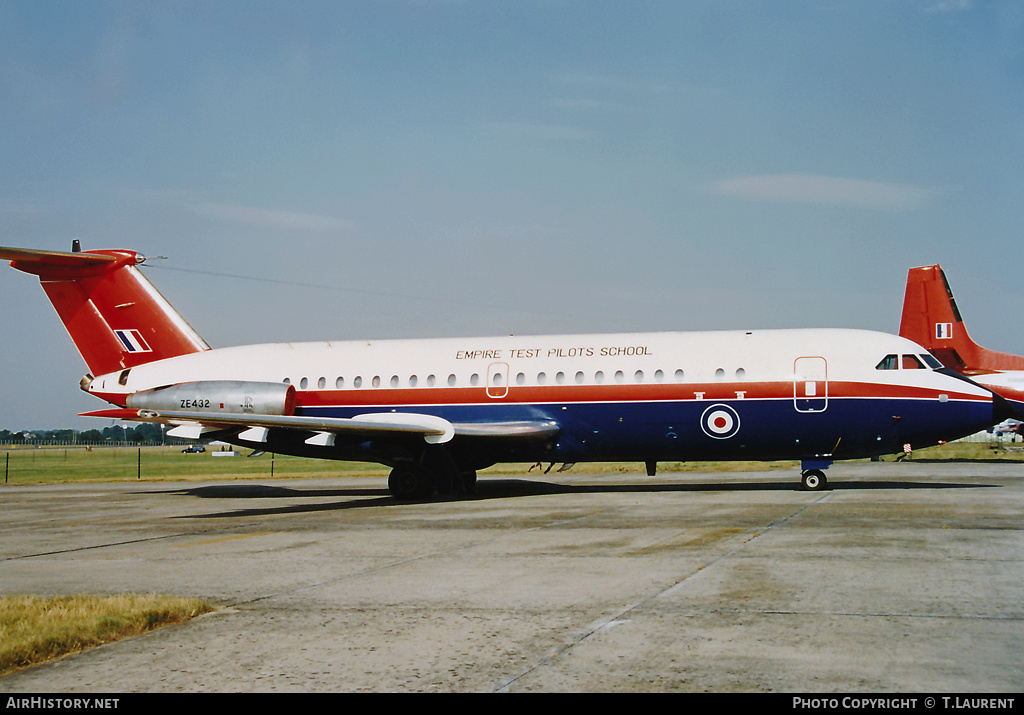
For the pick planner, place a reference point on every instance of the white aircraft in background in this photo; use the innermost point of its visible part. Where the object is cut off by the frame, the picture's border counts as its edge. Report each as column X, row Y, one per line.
column 931, row 318
column 438, row 410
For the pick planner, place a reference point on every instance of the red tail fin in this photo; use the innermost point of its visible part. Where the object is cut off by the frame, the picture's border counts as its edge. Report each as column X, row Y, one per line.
column 115, row 317
column 931, row 318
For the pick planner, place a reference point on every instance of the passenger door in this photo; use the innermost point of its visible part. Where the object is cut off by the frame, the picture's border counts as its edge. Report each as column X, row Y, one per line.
column 497, row 380
column 810, row 384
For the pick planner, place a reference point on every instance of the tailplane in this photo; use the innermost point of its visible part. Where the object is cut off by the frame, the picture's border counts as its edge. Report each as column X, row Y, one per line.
column 115, row 316
column 931, row 319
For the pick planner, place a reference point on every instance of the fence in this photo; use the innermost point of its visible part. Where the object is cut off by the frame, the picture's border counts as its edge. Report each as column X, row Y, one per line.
column 56, row 463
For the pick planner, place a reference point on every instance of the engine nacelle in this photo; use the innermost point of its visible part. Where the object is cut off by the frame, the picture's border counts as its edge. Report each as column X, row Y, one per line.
column 232, row 396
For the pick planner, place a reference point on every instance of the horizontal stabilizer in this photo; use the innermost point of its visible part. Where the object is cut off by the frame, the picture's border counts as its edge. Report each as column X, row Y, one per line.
column 33, row 261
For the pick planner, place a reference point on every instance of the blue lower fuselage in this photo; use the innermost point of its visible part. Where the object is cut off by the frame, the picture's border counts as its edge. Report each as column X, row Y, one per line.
column 692, row 430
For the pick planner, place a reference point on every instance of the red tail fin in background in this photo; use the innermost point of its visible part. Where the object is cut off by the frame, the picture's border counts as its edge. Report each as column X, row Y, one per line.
column 931, row 318
column 115, row 317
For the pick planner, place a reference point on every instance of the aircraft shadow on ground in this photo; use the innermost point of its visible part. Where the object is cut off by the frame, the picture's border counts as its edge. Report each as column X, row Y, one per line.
column 504, row 488
column 964, row 460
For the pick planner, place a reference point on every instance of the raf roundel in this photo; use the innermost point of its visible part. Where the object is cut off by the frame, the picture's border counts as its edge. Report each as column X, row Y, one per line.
column 720, row 422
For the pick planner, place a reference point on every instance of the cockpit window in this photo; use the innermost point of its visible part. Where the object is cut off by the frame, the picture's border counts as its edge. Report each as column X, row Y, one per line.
column 910, row 362
column 889, row 362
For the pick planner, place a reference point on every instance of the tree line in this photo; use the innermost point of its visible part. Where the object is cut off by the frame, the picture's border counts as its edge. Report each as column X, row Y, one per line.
column 115, row 434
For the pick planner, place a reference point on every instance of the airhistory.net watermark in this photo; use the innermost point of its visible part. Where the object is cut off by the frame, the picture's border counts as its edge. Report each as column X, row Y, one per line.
column 54, row 703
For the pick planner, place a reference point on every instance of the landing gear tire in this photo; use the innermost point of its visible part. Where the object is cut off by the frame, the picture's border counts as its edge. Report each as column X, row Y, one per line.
column 813, row 480
column 408, row 484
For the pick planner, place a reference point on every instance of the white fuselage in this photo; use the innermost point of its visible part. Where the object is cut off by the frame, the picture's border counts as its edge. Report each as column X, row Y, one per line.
column 618, row 396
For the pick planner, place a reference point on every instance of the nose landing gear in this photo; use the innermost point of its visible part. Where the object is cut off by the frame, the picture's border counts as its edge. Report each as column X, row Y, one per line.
column 813, row 480
column 812, row 474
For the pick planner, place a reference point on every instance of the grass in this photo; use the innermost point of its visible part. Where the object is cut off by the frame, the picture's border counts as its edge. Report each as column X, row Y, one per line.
column 27, row 465
column 79, row 464
column 35, row 629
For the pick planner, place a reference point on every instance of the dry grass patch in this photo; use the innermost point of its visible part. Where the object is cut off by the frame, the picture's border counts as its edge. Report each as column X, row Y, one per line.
column 35, row 629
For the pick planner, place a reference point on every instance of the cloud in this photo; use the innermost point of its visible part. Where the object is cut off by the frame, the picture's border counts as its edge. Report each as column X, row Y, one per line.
column 612, row 82
column 807, row 188
column 542, row 132
column 273, row 218
column 587, row 104
column 947, row 6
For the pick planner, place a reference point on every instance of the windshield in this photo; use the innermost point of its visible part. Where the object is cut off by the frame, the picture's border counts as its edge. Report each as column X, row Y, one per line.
column 909, row 362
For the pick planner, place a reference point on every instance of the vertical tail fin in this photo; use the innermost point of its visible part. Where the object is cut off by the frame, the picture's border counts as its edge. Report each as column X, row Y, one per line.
column 115, row 317
column 932, row 319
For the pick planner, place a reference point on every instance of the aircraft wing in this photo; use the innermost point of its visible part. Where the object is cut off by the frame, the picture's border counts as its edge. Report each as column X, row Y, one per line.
column 433, row 429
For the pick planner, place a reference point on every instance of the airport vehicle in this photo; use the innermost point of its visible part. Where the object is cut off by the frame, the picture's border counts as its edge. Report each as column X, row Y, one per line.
column 932, row 319
column 438, row 410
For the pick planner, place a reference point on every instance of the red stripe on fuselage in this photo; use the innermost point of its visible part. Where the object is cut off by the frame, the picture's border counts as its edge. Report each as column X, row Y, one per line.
column 568, row 394
column 561, row 394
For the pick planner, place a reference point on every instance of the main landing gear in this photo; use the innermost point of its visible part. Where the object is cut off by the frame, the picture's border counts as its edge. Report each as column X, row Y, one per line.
column 407, row 483
column 434, row 474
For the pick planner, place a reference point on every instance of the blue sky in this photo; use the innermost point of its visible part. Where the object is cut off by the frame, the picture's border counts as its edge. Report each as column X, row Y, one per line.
column 410, row 168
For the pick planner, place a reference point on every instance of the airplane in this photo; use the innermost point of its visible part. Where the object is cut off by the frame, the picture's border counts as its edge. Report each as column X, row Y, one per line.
column 932, row 319
column 1008, row 426
column 438, row 410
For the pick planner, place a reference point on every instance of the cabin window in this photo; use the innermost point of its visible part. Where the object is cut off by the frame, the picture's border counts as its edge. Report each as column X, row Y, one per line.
column 287, row 381
column 413, row 381
column 619, row 376
column 339, row 383
column 679, row 375
column 889, row 362
column 541, row 378
column 451, row 381
column 521, row 379
column 303, row 383
column 579, row 378
column 598, row 377
column 358, row 381
column 719, row 373
column 376, row 381
column 740, row 373
column 431, row 380
column 639, row 376
column 474, row 379
column 659, row 376
column 394, row 380
column 560, row 378
column 123, row 377
column 321, row 383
